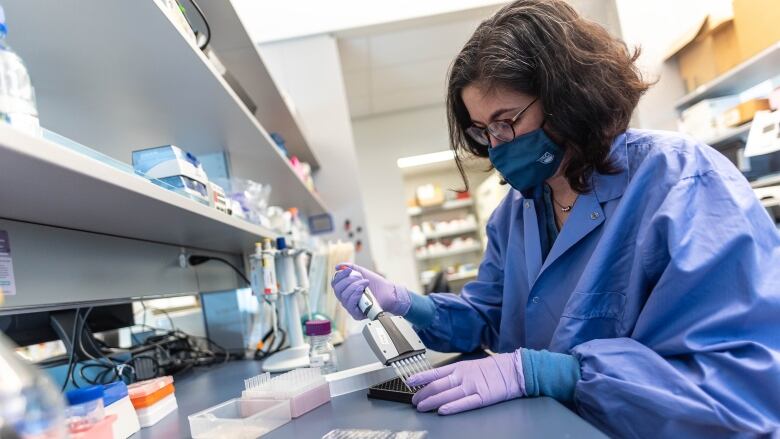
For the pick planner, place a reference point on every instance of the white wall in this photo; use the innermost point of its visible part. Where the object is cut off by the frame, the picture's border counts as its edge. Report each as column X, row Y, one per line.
column 277, row 20
column 380, row 141
column 309, row 71
column 655, row 26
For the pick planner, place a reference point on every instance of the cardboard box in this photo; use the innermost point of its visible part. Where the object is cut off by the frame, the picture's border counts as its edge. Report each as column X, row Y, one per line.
column 429, row 195
column 706, row 51
column 744, row 112
column 757, row 25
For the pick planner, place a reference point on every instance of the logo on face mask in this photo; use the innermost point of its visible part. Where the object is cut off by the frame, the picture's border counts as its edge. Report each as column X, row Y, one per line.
column 546, row 158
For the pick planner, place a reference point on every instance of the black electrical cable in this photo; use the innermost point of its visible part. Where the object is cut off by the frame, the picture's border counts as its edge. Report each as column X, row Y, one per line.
column 205, row 23
column 71, row 355
column 196, row 260
column 80, row 344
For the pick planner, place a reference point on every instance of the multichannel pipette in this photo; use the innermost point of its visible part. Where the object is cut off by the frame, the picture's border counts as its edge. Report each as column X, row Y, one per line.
column 392, row 339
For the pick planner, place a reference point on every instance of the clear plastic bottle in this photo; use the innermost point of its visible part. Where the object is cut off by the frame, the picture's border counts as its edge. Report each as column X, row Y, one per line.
column 30, row 405
column 17, row 96
column 322, row 354
column 85, row 408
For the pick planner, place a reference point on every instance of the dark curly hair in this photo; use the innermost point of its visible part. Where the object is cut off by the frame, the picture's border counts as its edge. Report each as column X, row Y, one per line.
column 585, row 78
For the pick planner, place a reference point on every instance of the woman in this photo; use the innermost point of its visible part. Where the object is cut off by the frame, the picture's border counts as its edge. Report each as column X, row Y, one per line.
column 630, row 274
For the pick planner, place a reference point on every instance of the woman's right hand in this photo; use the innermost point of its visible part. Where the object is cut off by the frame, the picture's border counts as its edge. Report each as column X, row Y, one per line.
column 351, row 280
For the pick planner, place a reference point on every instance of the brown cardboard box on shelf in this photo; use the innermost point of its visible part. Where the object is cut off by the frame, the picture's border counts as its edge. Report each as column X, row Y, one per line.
column 744, row 112
column 706, row 51
column 757, row 25
column 429, row 195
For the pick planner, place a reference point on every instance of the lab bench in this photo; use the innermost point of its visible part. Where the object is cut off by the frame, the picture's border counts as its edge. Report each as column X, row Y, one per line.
column 532, row 417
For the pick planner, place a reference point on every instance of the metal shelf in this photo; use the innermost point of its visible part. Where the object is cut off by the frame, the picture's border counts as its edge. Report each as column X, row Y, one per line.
column 239, row 55
column 730, row 136
column 444, row 234
column 769, row 180
column 447, row 205
column 46, row 183
column 123, row 77
column 761, row 67
column 459, row 251
column 462, row 276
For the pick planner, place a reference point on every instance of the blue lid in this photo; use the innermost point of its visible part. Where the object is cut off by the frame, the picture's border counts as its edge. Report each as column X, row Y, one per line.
column 86, row 394
column 281, row 244
column 114, row 392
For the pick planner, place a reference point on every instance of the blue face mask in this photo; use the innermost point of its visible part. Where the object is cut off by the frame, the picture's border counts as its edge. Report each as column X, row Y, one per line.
column 528, row 160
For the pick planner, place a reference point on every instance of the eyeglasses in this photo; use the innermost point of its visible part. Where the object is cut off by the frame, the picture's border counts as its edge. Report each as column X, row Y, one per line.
column 502, row 130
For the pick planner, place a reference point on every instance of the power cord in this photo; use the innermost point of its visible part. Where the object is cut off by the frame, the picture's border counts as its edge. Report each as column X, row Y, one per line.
column 196, row 260
column 72, row 353
column 201, row 45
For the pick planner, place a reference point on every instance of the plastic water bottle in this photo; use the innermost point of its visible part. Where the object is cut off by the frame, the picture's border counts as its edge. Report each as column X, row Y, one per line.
column 30, row 405
column 17, row 96
column 322, row 354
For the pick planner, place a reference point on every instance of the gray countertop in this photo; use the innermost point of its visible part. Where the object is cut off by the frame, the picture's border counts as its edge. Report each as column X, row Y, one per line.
column 533, row 417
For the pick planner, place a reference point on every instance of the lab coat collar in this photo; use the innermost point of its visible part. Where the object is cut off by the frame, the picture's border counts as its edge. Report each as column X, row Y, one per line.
column 607, row 187
column 585, row 217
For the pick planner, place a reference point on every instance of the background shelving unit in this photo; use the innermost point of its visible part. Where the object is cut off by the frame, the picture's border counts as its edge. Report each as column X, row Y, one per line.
column 764, row 170
column 141, row 83
column 447, row 211
column 733, row 135
column 46, row 183
column 240, row 56
column 759, row 68
column 450, row 253
column 116, row 77
column 447, row 205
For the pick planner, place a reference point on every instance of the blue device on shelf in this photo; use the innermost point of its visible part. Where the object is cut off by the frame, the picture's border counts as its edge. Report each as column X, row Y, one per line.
column 174, row 167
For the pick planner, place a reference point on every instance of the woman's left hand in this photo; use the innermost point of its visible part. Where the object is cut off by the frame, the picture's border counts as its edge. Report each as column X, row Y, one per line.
column 469, row 385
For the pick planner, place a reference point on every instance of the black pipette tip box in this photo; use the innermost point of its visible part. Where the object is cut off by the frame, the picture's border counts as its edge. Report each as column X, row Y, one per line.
column 393, row 390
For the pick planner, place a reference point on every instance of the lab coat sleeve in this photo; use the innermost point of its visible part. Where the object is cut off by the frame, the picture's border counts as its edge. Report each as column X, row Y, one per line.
column 703, row 359
column 467, row 322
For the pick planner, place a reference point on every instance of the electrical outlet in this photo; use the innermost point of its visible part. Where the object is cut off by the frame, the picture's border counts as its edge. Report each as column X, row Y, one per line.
column 183, row 257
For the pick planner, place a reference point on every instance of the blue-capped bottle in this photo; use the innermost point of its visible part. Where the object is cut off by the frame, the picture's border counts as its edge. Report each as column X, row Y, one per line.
column 30, row 405
column 17, row 96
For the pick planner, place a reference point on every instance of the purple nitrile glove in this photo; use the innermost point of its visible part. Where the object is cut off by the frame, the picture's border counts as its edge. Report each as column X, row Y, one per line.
column 468, row 385
column 349, row 286
column 391, row 297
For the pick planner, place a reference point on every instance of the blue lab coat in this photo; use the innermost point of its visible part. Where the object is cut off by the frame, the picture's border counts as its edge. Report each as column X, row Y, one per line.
column 664, row 283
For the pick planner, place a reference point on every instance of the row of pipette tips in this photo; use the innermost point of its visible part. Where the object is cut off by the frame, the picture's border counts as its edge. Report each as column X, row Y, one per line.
column 409, row 366
column 287, row 382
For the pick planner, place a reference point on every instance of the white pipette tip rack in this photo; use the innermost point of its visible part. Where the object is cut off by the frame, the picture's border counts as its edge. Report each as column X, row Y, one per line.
column 306, row 389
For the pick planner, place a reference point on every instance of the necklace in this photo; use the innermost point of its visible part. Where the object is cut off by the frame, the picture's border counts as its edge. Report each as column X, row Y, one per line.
column 564, row 208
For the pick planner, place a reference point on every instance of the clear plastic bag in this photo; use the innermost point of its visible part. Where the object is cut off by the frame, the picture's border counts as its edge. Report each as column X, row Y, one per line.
column 252, row 197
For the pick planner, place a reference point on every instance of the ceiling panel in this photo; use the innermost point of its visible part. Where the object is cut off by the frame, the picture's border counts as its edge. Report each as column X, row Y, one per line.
column 392, row 68
column 420, row 44
column 357, row 82
column 354, row 53
column 406, row 98
column 429, row 72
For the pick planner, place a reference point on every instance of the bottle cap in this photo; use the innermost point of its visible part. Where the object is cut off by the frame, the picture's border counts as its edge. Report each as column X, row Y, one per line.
column 114, row 392
column 318, row 327
column 86, row 394
column 281, row 243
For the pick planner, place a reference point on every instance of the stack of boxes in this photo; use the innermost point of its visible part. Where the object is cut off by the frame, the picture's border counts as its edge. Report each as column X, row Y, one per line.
column 721, row 41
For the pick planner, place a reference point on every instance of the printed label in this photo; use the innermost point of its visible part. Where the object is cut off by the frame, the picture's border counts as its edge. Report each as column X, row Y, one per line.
column 546, row 158
column 7, row 284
